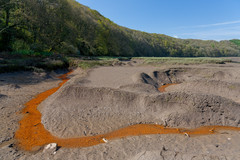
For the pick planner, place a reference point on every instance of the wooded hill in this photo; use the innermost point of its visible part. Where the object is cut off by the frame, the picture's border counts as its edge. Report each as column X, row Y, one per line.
column 67, row 27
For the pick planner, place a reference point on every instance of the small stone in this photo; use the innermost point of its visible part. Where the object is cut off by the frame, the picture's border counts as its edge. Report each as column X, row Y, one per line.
column 11, row 145
column 51, row 146
column 186, row 134
column 105, row 140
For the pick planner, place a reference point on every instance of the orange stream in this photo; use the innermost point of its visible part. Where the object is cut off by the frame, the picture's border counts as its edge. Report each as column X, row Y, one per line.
column 163, row 87
column 32, row 134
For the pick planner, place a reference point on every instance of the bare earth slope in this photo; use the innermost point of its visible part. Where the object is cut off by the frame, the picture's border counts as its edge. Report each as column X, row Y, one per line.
column 94, row 105
column 109, row 98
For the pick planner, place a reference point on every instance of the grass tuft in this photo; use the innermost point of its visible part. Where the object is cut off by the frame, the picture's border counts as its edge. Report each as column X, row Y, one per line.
column 186, row 61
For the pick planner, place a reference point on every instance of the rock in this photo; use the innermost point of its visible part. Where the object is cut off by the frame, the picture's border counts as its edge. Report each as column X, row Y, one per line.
column 105, row 140
column 51, row 146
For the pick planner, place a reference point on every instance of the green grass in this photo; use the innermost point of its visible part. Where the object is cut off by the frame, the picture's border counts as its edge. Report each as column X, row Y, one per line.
column 105, row 58
column 186, row 61
column 93, row 62
column 113, row 58
column 46, row 62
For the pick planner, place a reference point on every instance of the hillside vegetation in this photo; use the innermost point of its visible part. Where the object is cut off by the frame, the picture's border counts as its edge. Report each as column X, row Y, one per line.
column 67, row 27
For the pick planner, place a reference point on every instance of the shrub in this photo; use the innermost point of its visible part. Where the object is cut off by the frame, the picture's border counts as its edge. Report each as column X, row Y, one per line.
column 68, row 49
column 37, row 47
column 20, row 45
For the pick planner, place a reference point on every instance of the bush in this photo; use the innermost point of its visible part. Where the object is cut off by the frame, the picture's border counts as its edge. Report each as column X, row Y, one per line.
column 23, row 53
column 20, row 45
column 68, row 49
column 30, row 53
column 37, row 47
column 85, row 48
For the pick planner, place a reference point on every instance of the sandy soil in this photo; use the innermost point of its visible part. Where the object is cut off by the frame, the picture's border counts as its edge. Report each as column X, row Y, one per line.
column 108, row 98
column 15, row 90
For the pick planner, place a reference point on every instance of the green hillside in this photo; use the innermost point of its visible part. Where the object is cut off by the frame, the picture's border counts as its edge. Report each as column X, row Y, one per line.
column 67, row 27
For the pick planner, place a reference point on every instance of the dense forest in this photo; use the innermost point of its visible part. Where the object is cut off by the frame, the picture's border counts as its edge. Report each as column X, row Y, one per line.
column 67, row 27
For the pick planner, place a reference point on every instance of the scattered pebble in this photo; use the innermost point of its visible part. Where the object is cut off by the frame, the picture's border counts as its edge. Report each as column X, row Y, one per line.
column 186, row 134
column 51, row 146
column 105, row 140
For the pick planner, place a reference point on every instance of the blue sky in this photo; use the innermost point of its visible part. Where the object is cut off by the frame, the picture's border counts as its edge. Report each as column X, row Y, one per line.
column 197, row 19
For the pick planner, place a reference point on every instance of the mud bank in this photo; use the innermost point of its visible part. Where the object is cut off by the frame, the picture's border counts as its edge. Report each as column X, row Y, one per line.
column 91, row 106
column 33, row 135
column 82, row 109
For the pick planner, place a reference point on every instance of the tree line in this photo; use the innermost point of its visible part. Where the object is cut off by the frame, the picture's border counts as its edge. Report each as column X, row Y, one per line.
column 67, row 27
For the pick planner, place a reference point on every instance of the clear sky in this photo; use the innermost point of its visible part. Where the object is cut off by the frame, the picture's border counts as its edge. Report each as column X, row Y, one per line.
column 197, row 19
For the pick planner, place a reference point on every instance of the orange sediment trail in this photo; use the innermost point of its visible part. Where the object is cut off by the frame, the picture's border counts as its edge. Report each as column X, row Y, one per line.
column 163, row 87
column 32, row 134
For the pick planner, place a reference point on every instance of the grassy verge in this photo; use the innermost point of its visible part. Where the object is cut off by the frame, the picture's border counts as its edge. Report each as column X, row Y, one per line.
column 41, row 63
column 90, row 63
column 46, row 62
column 186, row 61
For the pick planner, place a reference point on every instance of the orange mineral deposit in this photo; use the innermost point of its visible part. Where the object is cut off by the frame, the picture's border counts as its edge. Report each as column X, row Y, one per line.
column 163, row 87
column 32, row 134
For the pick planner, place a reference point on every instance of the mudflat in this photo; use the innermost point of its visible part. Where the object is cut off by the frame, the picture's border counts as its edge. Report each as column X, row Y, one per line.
column 105, row 99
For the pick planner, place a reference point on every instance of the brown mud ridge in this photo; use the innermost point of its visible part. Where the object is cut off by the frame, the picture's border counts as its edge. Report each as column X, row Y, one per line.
column 32, row 133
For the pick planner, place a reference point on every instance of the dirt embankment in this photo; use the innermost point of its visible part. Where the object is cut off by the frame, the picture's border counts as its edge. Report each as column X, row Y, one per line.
column 106, row 110
column 109, row 98
column 125, row 96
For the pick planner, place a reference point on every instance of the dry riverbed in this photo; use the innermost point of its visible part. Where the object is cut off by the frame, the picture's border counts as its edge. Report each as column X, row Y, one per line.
column 106, row 99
